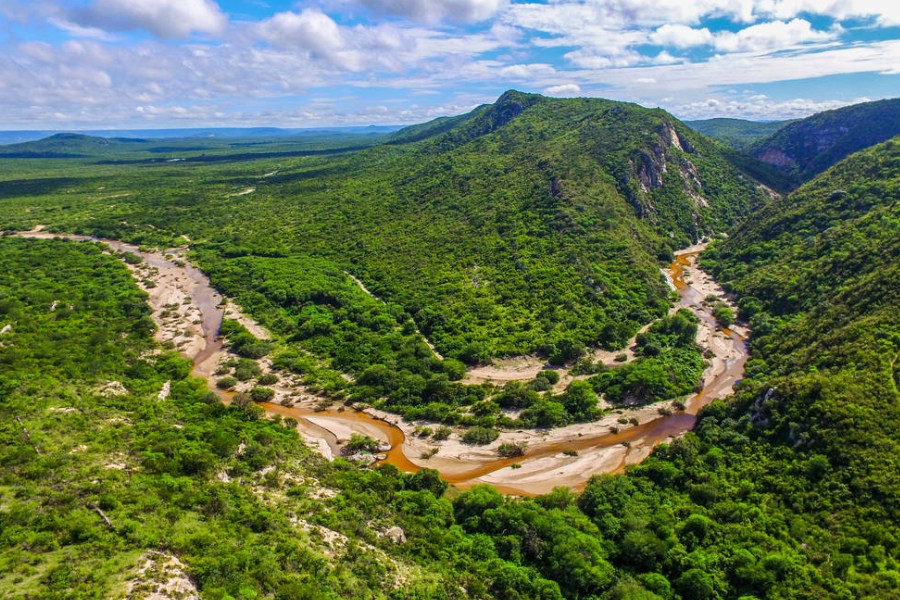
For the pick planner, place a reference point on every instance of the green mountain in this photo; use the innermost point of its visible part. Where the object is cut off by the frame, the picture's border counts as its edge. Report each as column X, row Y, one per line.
column 817, row 274
column 805, row 148
column 533, row 222
column 738, row 133
column 70, row 145
column 529, row 225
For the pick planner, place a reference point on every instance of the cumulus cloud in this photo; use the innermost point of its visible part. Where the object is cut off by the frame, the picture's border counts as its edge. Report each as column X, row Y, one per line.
column 433, row 11
column 770, row 36
column 163, row 18
column 758, row 107
column 681, row 36
column 310, row 30
column 565, row 89
column 387, row 47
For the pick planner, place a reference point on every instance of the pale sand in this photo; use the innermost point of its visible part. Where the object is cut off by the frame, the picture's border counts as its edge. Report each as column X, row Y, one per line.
column 548, row 469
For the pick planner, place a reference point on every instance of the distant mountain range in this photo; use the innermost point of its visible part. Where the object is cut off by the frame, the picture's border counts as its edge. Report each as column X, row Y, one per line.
column 17, row 137
column 803, row 149
column 736, row 132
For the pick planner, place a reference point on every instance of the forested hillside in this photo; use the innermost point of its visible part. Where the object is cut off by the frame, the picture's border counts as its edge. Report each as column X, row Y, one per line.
column 529, row 225
column 786, row 492
column 817, row 276
column 804, row 148
column 736, row 132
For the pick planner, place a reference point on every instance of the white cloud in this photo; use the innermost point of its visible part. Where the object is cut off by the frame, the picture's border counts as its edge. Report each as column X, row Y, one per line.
column 79, row 31
column 681, row 36
column 565, row 89
column 310, row 30
column 755, row 38
column 769, row 36
column 380, row 48
column 747, row 69
column 163, row 18
column 562, row 17
column 758, row 108
column 884, row 12
column 433, row 11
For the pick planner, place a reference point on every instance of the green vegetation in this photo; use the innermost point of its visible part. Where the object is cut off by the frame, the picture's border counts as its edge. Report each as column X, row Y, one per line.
column 531, row 218
column 95, row 476
column 242, row 342
column 804, row 148
column 723, row 314
column 512, row 449
column 530, row 225
column 670, row 364
column 480, row 436
column 736, row 132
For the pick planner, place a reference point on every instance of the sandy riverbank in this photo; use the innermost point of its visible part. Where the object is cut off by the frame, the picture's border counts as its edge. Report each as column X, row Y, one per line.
column 188, row 313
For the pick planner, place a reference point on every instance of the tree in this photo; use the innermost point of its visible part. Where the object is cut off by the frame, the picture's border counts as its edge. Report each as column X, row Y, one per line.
column 580, row 401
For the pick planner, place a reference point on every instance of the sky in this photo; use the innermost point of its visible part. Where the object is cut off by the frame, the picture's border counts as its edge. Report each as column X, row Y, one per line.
column 96, row 64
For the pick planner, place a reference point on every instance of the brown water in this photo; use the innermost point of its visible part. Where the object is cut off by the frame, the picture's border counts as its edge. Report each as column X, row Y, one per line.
column 636, row 439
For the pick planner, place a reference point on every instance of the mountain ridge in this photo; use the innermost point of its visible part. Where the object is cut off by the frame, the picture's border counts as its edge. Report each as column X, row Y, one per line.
column 807, row 147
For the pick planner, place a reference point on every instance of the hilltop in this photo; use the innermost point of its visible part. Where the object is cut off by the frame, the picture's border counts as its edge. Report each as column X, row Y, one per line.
column 807, row 147
column 528, row 225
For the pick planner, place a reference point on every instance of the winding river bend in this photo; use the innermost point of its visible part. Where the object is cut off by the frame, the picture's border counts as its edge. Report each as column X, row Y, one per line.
column 566, row 456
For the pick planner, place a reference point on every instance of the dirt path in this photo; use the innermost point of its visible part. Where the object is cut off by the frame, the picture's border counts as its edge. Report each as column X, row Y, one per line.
column 189, row 311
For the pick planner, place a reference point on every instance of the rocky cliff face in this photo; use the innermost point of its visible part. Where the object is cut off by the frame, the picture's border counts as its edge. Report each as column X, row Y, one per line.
column 803, row 149
column 652, row 165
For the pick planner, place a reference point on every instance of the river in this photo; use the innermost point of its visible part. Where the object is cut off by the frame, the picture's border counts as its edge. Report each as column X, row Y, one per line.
column 566, row 456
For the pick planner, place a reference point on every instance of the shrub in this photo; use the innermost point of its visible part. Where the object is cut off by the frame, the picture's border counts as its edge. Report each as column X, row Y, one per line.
column 550, row 375
column 724, row 315
column 480, row 436
column 226, row 383
column 361, row 443
column 454, row 369
column 443, row 432
column 247, row 369
column 512, row 449
column 262, row 394
column 268, row 379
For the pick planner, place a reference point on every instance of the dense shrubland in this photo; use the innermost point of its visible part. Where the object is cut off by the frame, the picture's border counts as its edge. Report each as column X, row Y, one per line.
column 531, row 225
column 787, row 491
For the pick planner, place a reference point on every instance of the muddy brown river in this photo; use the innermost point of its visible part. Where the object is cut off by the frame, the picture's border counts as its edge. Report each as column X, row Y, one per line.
column 543, row 466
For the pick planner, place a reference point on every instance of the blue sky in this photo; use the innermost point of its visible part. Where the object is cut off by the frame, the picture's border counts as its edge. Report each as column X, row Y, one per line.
column 94, row 64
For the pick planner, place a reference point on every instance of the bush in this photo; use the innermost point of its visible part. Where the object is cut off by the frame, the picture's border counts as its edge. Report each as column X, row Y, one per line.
column 262, row 394
column 550, row 375
column 512, row 449
column 247, row 369
column 268, row 379
column 226, row 383
column 361, row 443
column 443, row 432
column 724, row 315
column 480, row 436
column 454, row 369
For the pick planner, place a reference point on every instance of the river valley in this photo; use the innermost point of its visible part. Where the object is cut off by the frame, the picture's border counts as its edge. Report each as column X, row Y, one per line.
column 188, row 312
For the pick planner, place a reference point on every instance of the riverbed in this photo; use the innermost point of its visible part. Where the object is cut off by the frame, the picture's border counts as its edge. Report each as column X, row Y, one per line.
column 189, row 311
